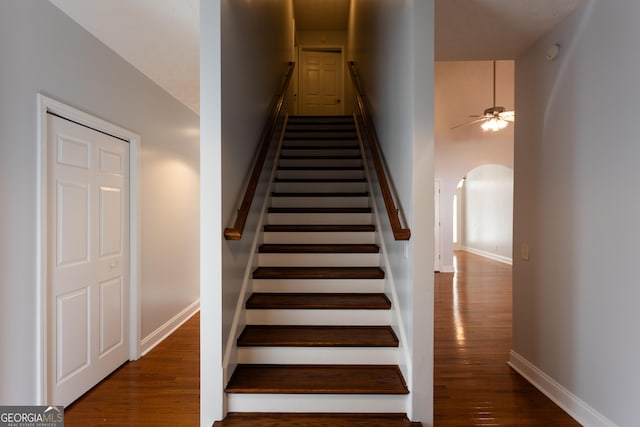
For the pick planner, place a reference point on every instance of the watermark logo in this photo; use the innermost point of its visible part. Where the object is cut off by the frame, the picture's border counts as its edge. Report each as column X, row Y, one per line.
column 32, row 416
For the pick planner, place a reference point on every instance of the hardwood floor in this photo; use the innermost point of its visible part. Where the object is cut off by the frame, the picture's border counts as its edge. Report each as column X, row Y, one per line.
column 473, row 384
column 161, row 389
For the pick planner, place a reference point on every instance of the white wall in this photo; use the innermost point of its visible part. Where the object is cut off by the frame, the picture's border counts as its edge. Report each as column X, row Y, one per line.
column 42, row 50
column 463, row 89
column 486, row 208
column 392, row 43
column 576, row 204
column 245, row 48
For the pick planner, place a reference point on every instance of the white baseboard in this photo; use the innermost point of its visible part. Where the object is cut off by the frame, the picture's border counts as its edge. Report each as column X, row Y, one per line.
column 157, row 336
column 447, row 269
column 495, row 257
column 569, row 402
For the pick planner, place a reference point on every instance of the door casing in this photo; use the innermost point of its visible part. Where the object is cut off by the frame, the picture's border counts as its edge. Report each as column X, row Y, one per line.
column 45, row 105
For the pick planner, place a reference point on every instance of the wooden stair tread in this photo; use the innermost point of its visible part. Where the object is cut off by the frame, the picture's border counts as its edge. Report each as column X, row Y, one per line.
column 320, row 168
column 303, row 156
column 317, row 336
column 317, row 379
column 307, row 228
column 320, row 118
column 323, row 136
column 255, row 419
column 321, row 127
column 318, row 273
column 318, row 194
column 321, row 180
column 318, row 301
column 303, row 147
column 318, row 248
column 319, row 210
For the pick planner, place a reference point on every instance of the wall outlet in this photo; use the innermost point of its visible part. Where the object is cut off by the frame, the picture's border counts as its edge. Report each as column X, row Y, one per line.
column 524, row 252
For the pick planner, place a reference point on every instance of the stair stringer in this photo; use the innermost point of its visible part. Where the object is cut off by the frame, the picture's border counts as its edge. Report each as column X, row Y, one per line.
column 230, row 357
column 404, row 358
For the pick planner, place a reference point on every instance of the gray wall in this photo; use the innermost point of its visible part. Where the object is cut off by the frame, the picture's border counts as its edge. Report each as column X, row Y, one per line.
column 42, row 50
column 576, row 204
column 392, row 43
column 245, row 47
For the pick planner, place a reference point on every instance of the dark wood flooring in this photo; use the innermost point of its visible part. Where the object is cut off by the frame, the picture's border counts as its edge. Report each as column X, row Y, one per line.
column 161, row 389
column 473, row 384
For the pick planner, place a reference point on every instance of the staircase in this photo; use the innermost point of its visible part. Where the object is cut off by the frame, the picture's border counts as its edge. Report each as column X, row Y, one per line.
column 318, row 348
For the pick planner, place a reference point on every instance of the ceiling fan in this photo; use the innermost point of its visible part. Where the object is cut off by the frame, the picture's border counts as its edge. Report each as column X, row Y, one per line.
column 493, row 118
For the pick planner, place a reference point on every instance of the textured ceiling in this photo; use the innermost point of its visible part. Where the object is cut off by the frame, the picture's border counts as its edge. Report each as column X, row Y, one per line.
column 161, row 37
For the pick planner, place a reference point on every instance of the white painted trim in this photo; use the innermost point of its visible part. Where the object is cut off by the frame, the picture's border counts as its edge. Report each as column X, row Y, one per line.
column 569, row 402
column 437, row 232
column 495, row 257
column 343, row 403
column 447, row 269
column 169, row 327
column 44, row 105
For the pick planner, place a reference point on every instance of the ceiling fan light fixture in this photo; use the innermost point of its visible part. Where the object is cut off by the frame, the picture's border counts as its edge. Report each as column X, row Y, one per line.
column 494, row 124
column 494, row 118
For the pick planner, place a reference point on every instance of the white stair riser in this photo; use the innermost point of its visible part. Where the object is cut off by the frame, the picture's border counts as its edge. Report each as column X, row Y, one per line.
column 319, row 285
column 344, row 403
column 319, row 260
column 320, row 151
column 320, row 237
column 320, row 174
column 319, row 202
column 319, row 355
column 320, row 187
column 318, row 218
column 318, row 317
column 319, row 162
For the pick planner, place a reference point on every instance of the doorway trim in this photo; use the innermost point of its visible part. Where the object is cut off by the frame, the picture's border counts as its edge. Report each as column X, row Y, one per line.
column 46, row 105
column 320, row 48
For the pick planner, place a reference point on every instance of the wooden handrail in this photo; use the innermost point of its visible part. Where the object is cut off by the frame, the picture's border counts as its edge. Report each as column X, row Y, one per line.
column 399, row 233
column 235, row 232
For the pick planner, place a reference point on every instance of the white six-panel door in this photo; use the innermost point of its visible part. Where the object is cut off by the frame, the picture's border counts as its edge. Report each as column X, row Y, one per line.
column 88, row 257
column 320, row 83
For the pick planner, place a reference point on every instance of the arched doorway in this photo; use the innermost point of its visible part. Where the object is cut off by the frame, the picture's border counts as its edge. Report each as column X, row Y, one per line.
column 483, row 212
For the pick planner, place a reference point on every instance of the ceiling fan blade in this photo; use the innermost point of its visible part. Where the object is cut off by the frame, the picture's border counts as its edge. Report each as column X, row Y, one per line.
column 481, row 119
column 509, row 116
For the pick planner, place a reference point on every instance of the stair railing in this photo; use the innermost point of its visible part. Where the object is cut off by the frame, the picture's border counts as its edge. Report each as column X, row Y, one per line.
column 362, row 113
column 235, row 232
